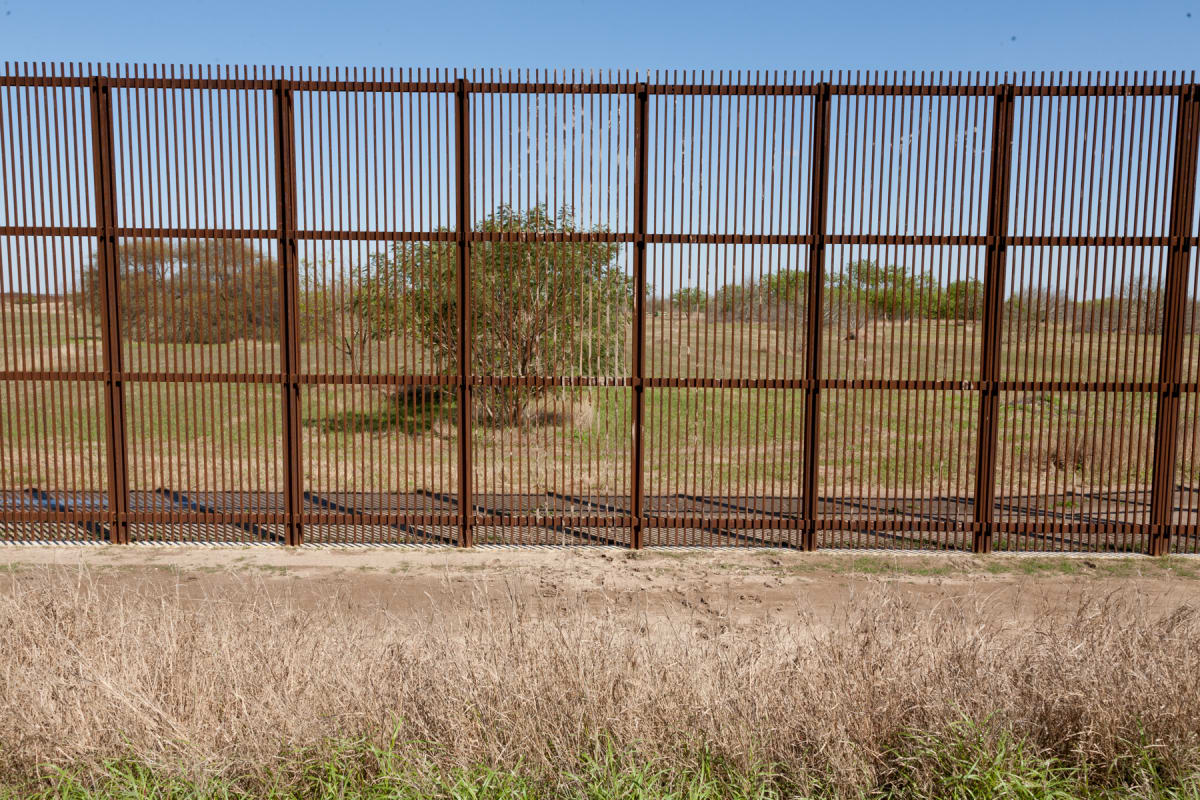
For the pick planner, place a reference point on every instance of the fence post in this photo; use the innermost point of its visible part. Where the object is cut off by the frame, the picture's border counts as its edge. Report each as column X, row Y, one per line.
column 110, row 313
column 995, row 264
column 462, row 225
column 289, row 305
column 640, row 191
column 1170, row 368
column 818, row 213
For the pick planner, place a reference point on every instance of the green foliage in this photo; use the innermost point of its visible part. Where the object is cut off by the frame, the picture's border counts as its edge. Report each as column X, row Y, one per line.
column 776, row 297
column 964, row 762
column 537, row 308
column 333, row 310
column 886, row 292
column 860, row 292
column 363, row 772
column 1035, row 305
column 962, row 300
column 968, row 762
column 194, row 291
column 689, row 299
column 787, row 285
column 736, row 300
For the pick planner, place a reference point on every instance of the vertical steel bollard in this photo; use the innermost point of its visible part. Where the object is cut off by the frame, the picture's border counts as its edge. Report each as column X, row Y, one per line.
column 289, row 305
column 109, row 266
column 641, row 101
column 1170, row 370
column 817, row 222
column 993, row 294
column 462, row 144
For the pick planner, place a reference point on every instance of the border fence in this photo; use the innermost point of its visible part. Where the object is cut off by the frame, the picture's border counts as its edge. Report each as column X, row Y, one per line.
column 951, row 312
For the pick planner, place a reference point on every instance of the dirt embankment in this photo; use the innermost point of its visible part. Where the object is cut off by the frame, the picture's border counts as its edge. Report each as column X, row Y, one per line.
column 741, row 585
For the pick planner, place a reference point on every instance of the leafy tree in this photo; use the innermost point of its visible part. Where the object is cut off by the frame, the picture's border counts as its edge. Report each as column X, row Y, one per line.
column 689, row 299
column 332, row 311
column 888, row 292
column 1037, row 305
column 198, row 291
column 963, row 300
column 776, row 297
column 787, row 286
column 537, row 308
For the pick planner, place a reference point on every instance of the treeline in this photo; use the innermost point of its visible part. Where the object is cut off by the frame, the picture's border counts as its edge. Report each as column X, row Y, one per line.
column 191, row 291
column 1139, row 306
column 864, row 292
column 860, row 292
column 537, row 307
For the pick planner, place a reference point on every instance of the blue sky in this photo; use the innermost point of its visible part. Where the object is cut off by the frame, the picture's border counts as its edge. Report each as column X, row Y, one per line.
column 643, row 34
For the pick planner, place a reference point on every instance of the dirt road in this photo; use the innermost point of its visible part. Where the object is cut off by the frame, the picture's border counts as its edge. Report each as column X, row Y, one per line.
column 742, row 586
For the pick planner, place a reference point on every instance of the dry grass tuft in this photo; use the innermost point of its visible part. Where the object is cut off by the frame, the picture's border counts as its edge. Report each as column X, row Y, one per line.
column 223, row 685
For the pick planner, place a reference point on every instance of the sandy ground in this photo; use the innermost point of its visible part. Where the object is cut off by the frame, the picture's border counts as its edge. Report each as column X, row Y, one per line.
column 742, row 586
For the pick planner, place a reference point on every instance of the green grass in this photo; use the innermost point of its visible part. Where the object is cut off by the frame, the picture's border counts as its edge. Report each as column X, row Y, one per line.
column 965, row 762
column 968, row 762
column 697, row 440
column 678, row 346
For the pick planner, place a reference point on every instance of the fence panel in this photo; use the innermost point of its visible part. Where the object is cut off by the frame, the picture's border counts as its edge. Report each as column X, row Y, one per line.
column 552, row 298
column 904, row 316
column 729, row 203
column 54, row 454
column 375, row 216
column 198, row 294
column 744, row 309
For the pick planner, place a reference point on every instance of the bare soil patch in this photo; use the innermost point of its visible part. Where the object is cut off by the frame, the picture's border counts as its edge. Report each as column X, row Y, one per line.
column 739, row 585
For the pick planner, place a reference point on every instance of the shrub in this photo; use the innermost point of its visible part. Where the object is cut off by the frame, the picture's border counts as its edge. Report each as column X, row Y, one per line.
column 689, row 299
column 888, row 292
column 787, row 286
column 753, row 302
column 195, row 291
column 845, row 310
column 777, row 297
column 1035, row 305
column 1138, row 307
column 332, row 311
column 736, row 301
column 537, row 308
column 962, row 300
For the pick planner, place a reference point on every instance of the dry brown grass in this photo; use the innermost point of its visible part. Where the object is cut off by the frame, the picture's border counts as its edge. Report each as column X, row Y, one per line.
column 225, row 683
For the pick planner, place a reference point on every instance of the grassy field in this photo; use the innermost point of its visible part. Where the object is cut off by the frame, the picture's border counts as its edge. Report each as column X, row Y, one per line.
column 240, row 673
column 701, row 441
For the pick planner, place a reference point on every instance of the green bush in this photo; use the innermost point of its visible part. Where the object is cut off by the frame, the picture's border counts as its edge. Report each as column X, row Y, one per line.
column 689, row 299
column 1035, row 305
column 787, row 286
column 962, row 300
column 736, row 301
column 776, row 297
column 194, row 291
column 537, row 308
column 886, row 292
column 331, row 310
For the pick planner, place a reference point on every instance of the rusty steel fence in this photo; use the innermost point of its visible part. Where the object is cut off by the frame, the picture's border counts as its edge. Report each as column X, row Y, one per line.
column 905, row 311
